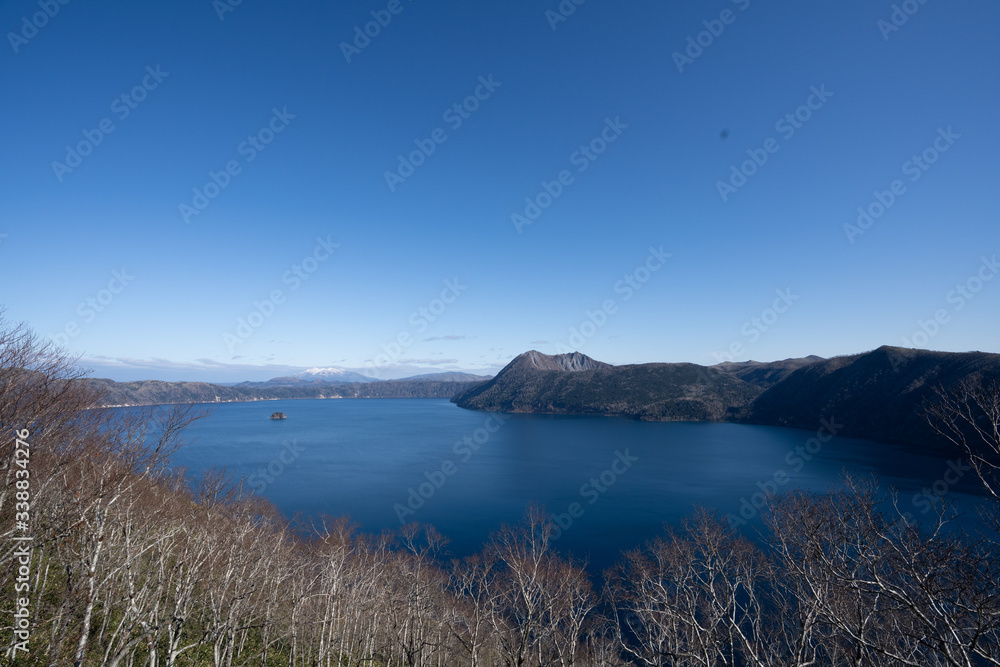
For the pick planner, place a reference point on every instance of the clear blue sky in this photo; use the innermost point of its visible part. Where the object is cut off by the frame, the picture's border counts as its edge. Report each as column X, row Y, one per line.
column 520, row 286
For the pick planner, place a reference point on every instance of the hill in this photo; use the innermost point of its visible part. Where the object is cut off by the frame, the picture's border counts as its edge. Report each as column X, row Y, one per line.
column 577, row 384
column 765, row 374
column 450, row 376
column 876, row 395
column 154, row 392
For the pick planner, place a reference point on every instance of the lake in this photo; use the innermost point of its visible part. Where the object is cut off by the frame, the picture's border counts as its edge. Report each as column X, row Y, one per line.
column 611, row 483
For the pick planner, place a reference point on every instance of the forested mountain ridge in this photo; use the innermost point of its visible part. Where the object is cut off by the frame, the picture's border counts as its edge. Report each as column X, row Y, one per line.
column 877, row 395
column 155, row 392
column 537, row 383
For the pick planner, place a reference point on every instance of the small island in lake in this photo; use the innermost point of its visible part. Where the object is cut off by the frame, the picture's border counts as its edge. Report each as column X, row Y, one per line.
column 279, row 415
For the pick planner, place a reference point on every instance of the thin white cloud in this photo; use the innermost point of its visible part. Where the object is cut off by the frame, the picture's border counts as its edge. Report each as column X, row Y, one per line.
column 202, row 370
column 429, row 362
column 124, row 369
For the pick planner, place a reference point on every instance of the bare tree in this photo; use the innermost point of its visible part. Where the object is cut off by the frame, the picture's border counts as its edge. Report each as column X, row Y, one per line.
column 968, row 416
column 880, row 591
column 537, row 601
column 692, row 598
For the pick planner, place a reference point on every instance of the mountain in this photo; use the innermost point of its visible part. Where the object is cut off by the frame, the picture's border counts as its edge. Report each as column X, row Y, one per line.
column 876, row 395
column 333, row 375
column 574, row 361
column 154, row 392
column 450, row 376
column 765, row 374
column 576, row 384
column 326, row 376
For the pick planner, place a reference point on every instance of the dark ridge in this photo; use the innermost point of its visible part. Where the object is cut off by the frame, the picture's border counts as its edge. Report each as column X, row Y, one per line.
column 154, row 392
column 877, row 395
column 577, row 384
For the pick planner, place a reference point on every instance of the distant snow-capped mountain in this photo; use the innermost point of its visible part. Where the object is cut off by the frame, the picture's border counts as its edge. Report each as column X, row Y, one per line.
column 333, row 374
column 330, row 375
column 331, row 371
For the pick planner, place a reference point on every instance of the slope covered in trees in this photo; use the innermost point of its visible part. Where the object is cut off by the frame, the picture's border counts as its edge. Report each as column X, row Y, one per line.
column 155, row 392
column 109, row 558
column 534, row 382
column 877, row 395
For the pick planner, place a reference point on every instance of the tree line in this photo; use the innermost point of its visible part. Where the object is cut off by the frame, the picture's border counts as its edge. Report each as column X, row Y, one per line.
column 130, row 565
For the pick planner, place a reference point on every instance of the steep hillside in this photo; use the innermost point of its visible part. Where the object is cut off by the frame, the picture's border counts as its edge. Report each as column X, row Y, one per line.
column 451, row 376
column 577, row 384
column 765, row 374
column 875, row 395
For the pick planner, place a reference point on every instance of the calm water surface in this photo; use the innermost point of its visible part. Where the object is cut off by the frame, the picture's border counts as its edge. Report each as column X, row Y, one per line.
column 372, row 459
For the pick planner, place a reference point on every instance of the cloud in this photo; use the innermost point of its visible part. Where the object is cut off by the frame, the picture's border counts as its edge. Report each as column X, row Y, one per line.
column 429, row 362
column 448, row 337
column 206, row 370
column 539, row 342
column 125, row 369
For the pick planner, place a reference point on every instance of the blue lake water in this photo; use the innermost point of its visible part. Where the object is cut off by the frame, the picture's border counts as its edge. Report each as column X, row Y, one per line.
column 426, row 460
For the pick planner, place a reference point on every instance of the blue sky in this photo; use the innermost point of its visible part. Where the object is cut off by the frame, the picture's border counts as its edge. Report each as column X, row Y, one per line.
column 660, row 132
